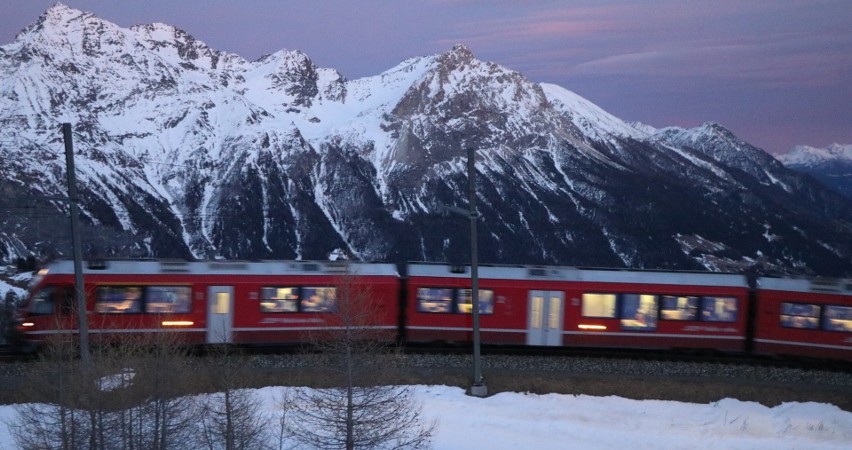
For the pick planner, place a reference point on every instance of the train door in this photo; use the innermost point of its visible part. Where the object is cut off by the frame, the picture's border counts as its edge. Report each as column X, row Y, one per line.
column 545, row 317
column 220, row 314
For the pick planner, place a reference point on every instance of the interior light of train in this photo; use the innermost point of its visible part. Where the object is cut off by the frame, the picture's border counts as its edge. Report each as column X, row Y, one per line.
column 177, row 323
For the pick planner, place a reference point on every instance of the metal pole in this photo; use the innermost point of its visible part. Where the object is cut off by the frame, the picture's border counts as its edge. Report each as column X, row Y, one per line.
column 478, row 388
column 78, row 252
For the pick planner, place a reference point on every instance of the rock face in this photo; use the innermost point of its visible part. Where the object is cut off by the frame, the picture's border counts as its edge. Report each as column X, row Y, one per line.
column 185, row 151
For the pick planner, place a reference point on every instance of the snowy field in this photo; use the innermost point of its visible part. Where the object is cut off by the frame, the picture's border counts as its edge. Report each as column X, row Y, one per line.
column 556, row 421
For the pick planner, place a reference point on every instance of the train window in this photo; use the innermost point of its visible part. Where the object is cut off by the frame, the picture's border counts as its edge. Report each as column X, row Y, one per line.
column 66, row 299
column 319, row 299
column 673, row 307
column 486, row 301
column 45, row 301
column 639, row 312
column 718, row 309
column 118, row 300
column 837, row 318
column 800, row 315
column 168, row 299
column 279, row 299
column 434, row 300
column 598, row 305
column 41, row 304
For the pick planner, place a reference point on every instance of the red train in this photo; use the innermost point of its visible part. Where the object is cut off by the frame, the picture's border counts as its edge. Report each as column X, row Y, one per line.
column 279, row 301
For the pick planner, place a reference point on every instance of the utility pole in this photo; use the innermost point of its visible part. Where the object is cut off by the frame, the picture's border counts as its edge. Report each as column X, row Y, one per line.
column 80, row 291
column 478, row 388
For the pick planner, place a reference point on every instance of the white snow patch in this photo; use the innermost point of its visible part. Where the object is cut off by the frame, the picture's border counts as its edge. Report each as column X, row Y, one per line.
column 550, row 421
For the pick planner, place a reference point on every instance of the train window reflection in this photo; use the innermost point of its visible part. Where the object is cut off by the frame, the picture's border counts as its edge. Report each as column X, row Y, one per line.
column 41, row 304
column 486, row 301
column 800, row 315
column 118, row 300
column 319, row 299
column 434, row 300
column 598, row 305
column 837, row 318
column 639, row 312
column 678, row 308
column 279, row 299
column 718, row 309
column 167, row 299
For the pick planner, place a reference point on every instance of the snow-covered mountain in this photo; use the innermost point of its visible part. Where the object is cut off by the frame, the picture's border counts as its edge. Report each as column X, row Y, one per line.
column 186, row 151
column 804, row 156
column 831, row 165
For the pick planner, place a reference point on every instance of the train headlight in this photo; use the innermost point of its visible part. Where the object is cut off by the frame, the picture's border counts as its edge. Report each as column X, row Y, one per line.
column 27, row 324
column 584, row 326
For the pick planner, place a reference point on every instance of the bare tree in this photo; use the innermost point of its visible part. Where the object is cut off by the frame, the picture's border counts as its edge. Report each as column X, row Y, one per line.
column 129, row 397
column 56, row 417
column 157, row 413
column 356, row 412
column 285, row 437
column 232, row 417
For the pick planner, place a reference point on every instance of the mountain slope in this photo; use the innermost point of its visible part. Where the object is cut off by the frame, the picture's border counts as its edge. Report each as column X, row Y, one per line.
column 832, row 165
column 185, row 151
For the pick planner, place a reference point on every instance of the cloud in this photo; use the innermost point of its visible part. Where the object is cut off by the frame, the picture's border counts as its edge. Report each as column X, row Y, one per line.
column 553, row 23
column 760, row 43
column 783, row 59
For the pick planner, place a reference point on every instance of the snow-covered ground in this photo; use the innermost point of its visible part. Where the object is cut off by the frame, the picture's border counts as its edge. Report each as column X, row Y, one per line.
column 556, row 421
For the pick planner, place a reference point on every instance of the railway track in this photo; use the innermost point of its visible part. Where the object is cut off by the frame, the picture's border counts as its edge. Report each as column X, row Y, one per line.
column 7, row 354
column 675, row 356
column 630, row 374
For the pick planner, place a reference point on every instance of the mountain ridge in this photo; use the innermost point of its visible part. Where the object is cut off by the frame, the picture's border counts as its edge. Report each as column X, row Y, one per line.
column 185, row 151
column 831, row 165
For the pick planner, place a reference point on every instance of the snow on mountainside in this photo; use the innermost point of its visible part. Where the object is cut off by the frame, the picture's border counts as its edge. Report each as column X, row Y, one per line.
column 186, row 151
column 803, row 155
column 594, row 121
column 831, row 165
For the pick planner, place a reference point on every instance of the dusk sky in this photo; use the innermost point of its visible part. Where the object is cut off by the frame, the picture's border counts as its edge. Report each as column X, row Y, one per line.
column 775, row 72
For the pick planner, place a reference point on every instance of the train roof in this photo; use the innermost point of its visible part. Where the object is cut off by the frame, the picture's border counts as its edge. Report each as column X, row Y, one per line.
column 563, row 273
column 221, row 267
column 826, row 285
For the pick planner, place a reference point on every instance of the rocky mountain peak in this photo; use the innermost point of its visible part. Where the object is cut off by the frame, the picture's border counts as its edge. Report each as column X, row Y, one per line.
column 294, row 73
column 717, row 130
column 461, row 52
column 59, row 16
column 285, row 59
column 455, row 59
column 64, row 29
column 721, row 145
column 173, row 43
column 183, row 151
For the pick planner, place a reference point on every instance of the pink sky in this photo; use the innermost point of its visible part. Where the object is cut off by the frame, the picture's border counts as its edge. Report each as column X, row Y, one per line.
column 775, row 72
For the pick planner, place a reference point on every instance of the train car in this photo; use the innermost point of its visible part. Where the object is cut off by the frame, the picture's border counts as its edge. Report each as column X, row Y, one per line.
column 804, row 317
column 564, row 306
column 280, row 302
column 206, row 301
